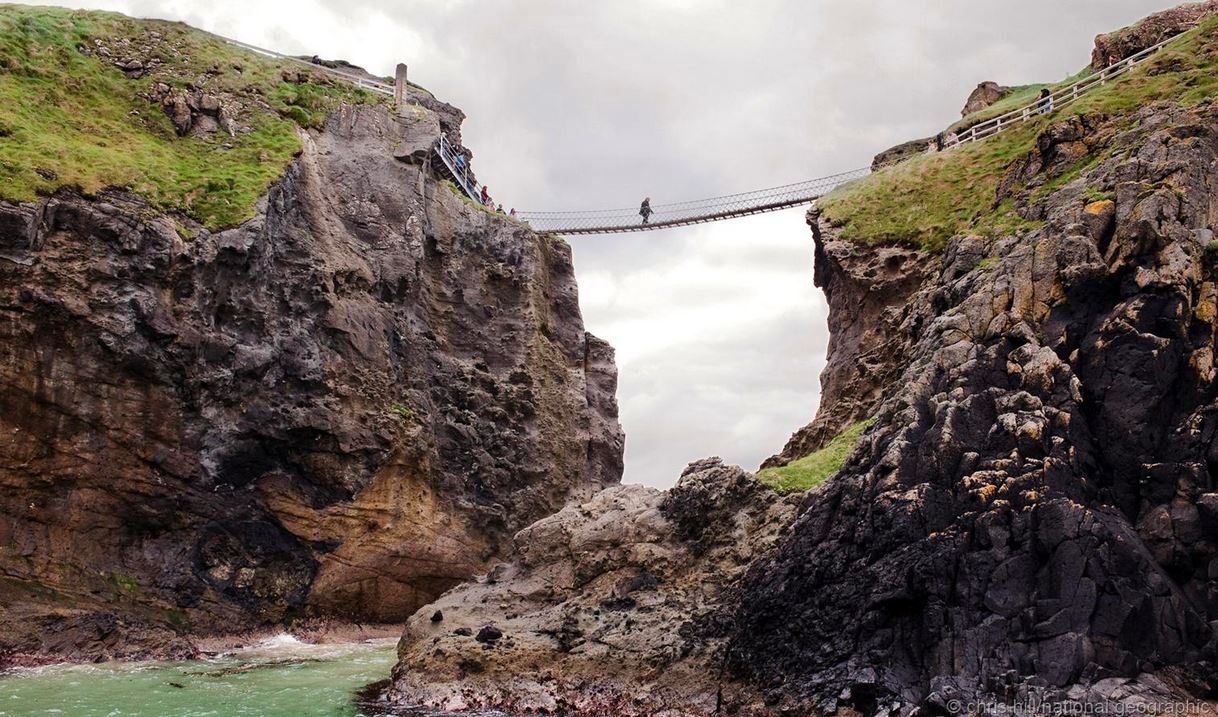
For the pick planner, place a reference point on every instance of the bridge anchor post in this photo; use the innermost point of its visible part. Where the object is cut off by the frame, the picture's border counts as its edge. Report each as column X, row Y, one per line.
column 400, row 93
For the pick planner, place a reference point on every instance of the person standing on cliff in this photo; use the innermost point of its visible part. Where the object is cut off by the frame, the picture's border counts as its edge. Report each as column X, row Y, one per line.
column 1046, row 102
column 486, row 196
column 645, row 209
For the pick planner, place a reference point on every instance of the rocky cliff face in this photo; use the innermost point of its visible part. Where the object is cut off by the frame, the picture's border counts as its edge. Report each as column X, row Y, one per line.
column 1033, row 511
column 340, row 408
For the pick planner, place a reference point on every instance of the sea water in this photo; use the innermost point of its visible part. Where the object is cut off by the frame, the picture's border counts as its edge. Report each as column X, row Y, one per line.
column 279, row 677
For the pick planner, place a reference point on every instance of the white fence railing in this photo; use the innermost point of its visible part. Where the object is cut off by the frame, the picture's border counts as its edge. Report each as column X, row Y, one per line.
column 1061, row 97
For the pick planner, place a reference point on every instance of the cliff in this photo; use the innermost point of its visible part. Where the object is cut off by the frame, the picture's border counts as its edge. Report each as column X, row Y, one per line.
column 334, row 390
column 1023, row 347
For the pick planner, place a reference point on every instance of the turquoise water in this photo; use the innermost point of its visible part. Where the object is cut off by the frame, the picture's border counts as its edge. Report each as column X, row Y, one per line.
column 280, row 678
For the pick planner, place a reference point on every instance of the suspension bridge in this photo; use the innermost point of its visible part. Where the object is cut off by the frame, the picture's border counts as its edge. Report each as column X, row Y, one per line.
column 454, row 166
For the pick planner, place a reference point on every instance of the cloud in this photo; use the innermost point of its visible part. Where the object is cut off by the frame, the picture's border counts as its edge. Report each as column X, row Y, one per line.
column 719, row 331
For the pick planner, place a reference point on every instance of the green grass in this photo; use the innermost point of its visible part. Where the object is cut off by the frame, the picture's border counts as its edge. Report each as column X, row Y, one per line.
column 71, row 120
column 404, row 413
column 470, row 201
column 125, row 583
column 813, row 469
column 928, row 199
column 1095, row 194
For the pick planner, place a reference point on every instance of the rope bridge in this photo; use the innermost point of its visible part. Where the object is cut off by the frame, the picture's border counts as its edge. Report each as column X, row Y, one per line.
column 700, row 211
column 678, row 214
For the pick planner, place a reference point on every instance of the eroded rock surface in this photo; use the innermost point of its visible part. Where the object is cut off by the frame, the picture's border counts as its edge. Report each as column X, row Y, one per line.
column 1030, row 514
column 870, row 294
column 1149, row 31
column 610, row 607
column 342, row 407
column 985, row 94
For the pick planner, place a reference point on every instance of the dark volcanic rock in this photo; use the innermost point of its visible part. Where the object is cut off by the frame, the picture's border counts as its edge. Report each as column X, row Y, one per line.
column 899, row 153
column 489, row 634
column 1030, row 510
column 342, row 407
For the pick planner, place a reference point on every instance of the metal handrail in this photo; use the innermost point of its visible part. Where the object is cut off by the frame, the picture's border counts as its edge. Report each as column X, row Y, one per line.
column 449, row 156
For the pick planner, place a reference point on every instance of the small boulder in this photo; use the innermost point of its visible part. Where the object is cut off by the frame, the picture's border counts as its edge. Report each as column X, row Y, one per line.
column 178, row 110
column 209, row 104
column 489, row 635
column 986, row 94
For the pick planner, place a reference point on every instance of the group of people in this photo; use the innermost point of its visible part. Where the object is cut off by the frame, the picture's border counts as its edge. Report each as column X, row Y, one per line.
column 490, row 203
column 461, row 165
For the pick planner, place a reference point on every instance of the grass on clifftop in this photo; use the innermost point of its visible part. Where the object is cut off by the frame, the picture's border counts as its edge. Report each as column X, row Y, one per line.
column 71, row 120
column 930, row 198
column 813, row 469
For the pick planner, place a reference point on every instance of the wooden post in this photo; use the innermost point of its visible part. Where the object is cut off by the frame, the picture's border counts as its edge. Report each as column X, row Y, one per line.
column 400, row 94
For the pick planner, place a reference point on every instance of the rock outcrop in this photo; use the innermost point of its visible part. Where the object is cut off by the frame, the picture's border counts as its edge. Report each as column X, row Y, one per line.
column 1150, row 31
column 341, row 408
column 610, row 607
column 986, row 94
column 900, row 153
column 1030, row 516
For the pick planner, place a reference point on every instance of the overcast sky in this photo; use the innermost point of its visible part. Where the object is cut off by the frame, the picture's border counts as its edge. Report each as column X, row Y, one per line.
column 720, row 334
